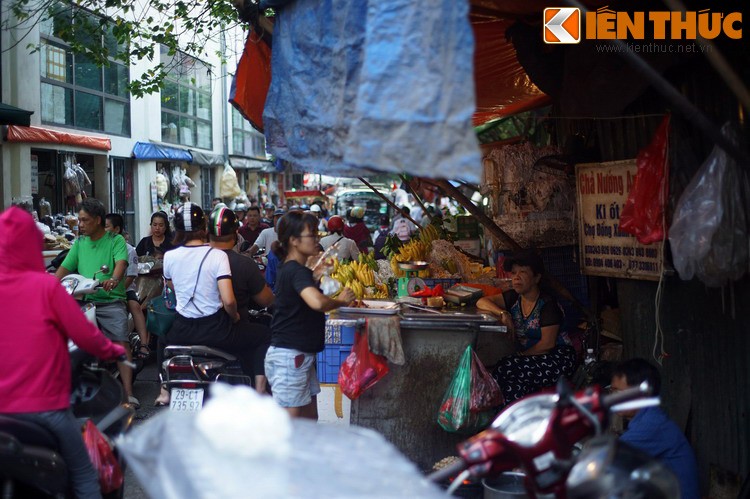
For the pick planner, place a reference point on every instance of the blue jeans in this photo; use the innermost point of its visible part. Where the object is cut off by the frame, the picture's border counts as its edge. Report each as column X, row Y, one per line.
column 64, row 426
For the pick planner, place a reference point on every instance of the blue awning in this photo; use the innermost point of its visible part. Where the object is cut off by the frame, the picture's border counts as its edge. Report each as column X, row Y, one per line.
column 147, row 150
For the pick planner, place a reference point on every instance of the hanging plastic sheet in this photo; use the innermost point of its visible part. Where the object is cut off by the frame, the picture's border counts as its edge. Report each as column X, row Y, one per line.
column 709, row 231
column 643, row 212
column 251, row 81
column 374, row 86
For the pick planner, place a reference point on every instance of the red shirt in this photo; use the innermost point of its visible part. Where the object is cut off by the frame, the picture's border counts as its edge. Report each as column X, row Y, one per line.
column 250, row 235
column 360, row 234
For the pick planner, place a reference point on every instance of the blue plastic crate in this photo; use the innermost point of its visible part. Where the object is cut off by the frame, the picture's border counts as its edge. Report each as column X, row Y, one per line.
column 447, row 283
column 339, row 334
column 329, row 362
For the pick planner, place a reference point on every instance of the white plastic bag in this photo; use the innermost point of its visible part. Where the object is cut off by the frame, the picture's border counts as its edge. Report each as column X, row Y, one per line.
column 709, row 231
column 162, row 185
column 230, row 187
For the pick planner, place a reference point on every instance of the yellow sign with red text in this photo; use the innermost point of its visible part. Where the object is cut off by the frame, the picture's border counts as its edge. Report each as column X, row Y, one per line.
column 562, row 25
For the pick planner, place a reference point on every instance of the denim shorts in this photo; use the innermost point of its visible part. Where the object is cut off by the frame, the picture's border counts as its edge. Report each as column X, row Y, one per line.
column 292, row 385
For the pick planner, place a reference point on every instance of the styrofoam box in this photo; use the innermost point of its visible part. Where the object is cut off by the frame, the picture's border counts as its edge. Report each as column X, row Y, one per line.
column 327, row 406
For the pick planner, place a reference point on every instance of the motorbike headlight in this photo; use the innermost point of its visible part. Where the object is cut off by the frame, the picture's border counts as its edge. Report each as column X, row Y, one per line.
column 70, row 284
column 526, row 422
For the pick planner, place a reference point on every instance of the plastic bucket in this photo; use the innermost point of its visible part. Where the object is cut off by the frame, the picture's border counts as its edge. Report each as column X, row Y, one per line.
column 508, row 486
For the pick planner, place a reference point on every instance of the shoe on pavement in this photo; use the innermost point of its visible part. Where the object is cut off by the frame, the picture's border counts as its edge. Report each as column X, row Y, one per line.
column 134, row 402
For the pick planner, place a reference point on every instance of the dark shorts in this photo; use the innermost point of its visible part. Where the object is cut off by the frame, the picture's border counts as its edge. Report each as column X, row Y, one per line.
column 113, row 320
column 131, row 295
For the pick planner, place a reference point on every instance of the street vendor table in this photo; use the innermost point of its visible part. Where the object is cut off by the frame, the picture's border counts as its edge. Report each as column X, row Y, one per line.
column 403, row 406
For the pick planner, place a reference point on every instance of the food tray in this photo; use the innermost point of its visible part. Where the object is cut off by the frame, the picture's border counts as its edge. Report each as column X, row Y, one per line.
column 374, row 307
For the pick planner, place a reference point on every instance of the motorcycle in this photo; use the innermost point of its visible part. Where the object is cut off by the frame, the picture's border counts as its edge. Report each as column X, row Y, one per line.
column 30, row 462
column 189, row 370
column 539, row 434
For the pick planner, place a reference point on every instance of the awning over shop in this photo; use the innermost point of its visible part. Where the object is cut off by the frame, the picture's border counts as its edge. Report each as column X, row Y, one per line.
column 304, row 194
column 46, row 136
column 256, row 165
column 158, row 152
column 204, row 159
column 11, row 115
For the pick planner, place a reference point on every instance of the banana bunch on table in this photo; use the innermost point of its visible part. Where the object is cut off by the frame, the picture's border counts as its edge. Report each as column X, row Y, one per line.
column 359, row 277
column 416, row 250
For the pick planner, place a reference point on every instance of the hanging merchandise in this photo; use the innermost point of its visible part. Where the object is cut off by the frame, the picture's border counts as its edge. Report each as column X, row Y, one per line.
column 162, row 184
column 251, row 80
column 70, row 178
column 83, row 179
column 184, row 183
column 643, row 213
column 230, row 186
column 709, row 230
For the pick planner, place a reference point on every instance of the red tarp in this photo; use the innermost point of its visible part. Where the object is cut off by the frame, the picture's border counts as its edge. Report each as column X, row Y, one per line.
column 45, row 136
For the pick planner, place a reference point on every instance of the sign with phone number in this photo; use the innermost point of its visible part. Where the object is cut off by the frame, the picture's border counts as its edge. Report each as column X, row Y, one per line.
column 601, row 192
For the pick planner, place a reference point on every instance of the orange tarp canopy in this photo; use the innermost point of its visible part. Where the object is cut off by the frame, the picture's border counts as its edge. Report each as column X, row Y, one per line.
column 46, row 136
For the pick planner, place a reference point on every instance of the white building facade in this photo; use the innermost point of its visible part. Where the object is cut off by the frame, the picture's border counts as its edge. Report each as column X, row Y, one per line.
column 83, row 114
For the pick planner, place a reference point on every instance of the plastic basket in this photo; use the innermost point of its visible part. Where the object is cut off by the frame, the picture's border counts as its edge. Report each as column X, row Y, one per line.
column 329, row 362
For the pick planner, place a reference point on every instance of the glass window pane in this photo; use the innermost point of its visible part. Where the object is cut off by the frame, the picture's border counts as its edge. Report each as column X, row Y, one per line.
column 169, row 127
column 204, row 106
column 116, row 117
column 57, row 104
column 187, row 101
column 204, row 135
column 116, row 78
column 237, row 118
column 203, row 77
column 237, row 142
column 170, row 96
column 88, row 111
column 61, row 20
column 87, row 29
column 187, row 131
column 110, row 41
column 56, row 63
column 87, row 73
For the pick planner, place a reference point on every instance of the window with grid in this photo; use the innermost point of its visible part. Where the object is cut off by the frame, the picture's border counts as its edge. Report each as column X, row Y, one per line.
column 75, row 91
column 246, row 140
column 186, row 101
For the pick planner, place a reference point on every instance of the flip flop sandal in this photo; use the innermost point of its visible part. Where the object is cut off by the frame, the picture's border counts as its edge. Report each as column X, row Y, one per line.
column 133, row 402
column 144, row 352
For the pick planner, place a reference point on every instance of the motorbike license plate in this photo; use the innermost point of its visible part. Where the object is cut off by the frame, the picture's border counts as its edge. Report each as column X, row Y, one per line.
column 186, row 399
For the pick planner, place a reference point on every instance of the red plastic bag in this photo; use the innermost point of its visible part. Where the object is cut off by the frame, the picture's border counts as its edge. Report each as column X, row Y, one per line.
column 485, row 392
column 361, row 369
column 643, row 212
column 251, row 80
column 104, row 460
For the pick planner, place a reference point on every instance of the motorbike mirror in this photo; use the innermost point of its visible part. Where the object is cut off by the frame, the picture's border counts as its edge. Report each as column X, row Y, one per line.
column 104, row 269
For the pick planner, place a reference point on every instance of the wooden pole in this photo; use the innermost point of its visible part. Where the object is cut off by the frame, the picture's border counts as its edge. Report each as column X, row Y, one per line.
column 390, row 203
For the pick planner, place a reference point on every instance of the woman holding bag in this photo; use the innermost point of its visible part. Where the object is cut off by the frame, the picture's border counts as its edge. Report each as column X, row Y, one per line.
column 298, row 325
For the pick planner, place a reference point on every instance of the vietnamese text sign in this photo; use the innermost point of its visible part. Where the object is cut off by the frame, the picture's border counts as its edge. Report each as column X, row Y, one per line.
column 601, row 192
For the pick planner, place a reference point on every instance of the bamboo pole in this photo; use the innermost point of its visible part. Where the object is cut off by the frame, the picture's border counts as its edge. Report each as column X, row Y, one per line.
column 390, row 203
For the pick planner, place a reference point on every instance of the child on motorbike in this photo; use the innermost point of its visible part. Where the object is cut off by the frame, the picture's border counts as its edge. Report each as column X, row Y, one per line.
column 298, row 325
column 42, row 316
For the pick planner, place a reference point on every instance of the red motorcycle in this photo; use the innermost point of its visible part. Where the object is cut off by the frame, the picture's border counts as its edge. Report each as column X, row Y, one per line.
column 539, row 434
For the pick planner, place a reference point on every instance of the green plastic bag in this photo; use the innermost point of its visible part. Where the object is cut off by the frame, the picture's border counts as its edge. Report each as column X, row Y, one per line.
column 455, row 414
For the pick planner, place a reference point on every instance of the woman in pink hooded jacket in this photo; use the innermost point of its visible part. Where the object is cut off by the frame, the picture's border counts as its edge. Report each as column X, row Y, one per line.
column 38, row 319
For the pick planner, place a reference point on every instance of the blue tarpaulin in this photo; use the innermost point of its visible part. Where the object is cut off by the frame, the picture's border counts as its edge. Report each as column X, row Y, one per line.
column 375, row 85
column 147, row 150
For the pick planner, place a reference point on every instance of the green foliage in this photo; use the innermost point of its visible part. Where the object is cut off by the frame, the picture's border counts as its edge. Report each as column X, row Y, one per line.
column 125, row 31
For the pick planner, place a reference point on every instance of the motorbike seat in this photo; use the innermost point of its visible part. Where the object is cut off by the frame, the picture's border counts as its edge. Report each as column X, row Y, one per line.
column 28, row 433
column 197, row 350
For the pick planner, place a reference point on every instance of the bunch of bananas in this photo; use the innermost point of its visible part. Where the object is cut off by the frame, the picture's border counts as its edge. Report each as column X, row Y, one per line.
column 413, row 251
column 428, row 234
column 359, row 277
column 369, row 260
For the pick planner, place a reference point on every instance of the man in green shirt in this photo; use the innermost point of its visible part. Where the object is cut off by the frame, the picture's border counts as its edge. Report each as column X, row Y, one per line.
column 94, row 248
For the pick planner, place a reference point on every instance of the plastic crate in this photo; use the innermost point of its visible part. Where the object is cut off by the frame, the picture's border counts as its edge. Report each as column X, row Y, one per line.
column 329, row 362
column 447, row 283
column 340, row 332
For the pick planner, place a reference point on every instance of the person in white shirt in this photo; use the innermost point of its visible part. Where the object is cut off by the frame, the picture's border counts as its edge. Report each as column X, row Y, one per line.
column 346, row 249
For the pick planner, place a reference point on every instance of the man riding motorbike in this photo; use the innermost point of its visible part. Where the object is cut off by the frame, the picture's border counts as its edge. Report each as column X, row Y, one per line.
column 94, row 248
column 40, row 317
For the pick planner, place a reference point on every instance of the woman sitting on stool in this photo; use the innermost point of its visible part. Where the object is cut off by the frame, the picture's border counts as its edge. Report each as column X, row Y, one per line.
column 543, row 353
